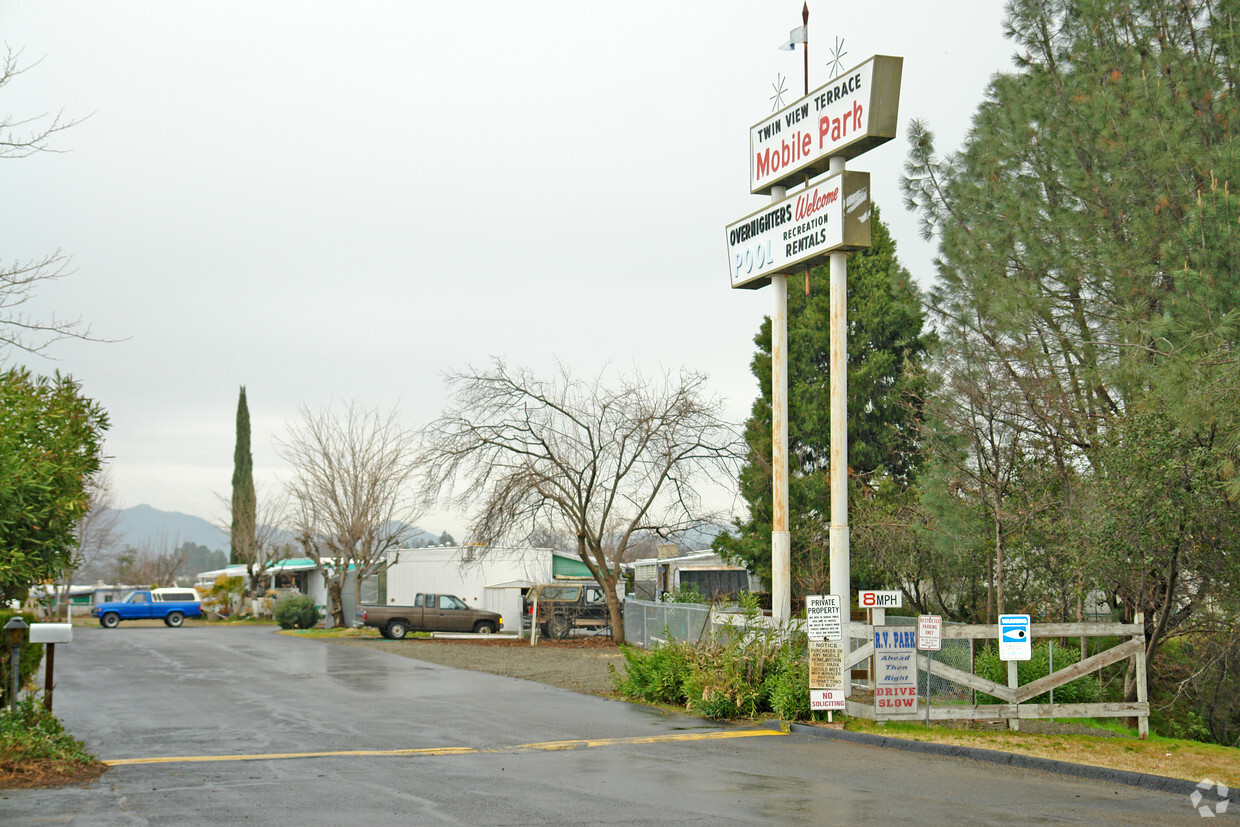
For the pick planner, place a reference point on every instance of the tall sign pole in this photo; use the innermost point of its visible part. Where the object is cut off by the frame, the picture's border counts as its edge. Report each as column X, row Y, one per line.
column 849, row 115
column 781, row 536
column 841, row 564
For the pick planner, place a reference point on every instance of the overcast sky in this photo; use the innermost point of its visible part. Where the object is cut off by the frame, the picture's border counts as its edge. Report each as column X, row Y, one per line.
column 326, row 202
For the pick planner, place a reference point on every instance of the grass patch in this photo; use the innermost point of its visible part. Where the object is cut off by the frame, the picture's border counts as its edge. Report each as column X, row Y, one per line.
column 1170, row 757
column 37, row 751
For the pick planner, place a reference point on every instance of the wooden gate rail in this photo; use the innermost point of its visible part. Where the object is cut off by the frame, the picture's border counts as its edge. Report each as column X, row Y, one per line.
column 1016, row 696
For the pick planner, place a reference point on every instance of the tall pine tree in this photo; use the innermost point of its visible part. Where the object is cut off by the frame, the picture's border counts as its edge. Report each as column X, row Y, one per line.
column 885, row 348
column 244, row 501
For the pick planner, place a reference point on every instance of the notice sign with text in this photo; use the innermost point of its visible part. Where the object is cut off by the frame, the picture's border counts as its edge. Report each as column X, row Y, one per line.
column 847, row 116
column 826, row 674
column 929, row 633
column 822, row 617
column 895, row 672
column 832, row 214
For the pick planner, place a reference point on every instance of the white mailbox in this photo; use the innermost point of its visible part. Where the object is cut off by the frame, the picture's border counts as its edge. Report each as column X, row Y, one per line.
column 51, row 632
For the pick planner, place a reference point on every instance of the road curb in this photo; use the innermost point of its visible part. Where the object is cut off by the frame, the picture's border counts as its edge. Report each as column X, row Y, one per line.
column 1158, row 783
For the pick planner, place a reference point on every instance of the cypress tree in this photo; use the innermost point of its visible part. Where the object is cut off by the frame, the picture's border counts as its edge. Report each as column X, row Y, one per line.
column 244, row 504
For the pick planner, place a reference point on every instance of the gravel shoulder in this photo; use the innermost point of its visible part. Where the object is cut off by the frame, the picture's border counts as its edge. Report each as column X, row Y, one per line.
column 579, row 664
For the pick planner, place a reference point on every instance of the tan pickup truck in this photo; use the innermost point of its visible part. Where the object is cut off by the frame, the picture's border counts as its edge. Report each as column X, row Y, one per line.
column 429, row 613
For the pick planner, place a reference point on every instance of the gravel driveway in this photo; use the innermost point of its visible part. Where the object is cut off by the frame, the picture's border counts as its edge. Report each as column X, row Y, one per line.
column 579, row 664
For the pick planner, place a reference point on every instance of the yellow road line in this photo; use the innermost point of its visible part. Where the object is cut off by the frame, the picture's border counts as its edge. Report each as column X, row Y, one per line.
column 544, row 746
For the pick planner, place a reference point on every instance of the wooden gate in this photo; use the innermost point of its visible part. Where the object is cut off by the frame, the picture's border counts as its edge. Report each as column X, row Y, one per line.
column 1015, row 695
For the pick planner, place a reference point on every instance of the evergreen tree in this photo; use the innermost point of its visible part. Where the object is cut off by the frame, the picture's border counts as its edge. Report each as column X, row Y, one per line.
column 885, row 347
column 1086, row 300
column 244, row 501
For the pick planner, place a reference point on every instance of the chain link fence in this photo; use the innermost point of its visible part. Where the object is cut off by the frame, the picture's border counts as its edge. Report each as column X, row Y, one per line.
column 955, row 652
column 647, row 623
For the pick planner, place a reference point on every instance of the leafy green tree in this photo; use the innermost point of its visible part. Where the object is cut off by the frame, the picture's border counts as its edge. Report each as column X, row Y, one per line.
column 1087, row 280
column 51, row 442
column 886, row 344
column 244, row 502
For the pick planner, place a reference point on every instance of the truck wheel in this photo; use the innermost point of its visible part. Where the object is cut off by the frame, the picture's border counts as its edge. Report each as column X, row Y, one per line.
column 396, row 630
column 558, row 627
column 383, row 632
column 484, row 627
column 110, row 620
column 174, row 619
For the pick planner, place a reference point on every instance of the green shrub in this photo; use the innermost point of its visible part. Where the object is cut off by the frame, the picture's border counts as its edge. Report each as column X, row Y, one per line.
column 787, row 687
column 30, row 655
column 31, row 733
column 296, row 611
column 1084, row 690
column 654, row 675
column 748, row 671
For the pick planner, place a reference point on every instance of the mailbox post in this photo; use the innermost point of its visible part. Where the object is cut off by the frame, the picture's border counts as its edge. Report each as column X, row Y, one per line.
column 50, row 634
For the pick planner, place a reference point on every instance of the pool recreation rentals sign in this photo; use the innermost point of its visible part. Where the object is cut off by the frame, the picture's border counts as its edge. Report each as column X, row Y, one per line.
column 848, row 115
column 832, row 214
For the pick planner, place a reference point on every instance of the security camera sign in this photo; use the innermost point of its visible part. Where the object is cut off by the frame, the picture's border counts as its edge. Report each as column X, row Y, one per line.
column 1015, row 641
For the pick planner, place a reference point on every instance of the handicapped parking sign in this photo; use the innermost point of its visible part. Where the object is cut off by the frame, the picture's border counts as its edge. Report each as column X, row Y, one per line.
column 1014, row 638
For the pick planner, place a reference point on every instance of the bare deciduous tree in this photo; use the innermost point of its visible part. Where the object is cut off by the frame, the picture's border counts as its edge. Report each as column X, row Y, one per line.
column 605, row 462
column 264, row 542
column 97, row 533
column 350, row 498
column 19, row 138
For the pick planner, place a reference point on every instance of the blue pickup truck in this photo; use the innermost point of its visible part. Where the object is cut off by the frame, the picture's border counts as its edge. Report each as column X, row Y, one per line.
column 171, row 606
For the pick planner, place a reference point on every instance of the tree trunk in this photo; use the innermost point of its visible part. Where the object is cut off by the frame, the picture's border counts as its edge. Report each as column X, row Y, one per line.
column 615, row 611
column 334, row 606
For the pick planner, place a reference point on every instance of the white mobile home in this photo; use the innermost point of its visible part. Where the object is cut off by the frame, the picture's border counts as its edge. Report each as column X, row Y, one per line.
column 485, row 578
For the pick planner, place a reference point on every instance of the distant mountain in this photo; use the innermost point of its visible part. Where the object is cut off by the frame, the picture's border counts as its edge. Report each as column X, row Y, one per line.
column 143, row 526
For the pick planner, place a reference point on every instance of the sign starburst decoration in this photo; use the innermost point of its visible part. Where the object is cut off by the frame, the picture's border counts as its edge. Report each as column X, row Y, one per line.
column 777, row 99
column 837, row 57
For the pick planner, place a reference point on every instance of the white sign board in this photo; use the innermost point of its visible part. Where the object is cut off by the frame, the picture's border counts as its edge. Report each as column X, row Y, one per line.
column 826, row 699
column 846, row 116
column 1015, row 641
column 880, row 600
column 895, row 674
column 822, row 617
column 833, row 214
column 826, row 673
column 929, row 633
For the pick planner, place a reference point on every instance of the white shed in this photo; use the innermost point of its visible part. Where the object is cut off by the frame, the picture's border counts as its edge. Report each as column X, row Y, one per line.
column 485, row 578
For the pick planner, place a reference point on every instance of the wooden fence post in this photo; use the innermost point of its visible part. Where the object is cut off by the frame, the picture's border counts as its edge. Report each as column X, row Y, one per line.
column 1143, row 721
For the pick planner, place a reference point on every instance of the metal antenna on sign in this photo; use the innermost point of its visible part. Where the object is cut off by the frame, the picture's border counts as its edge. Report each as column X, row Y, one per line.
column 777, row 99
column 837, row 57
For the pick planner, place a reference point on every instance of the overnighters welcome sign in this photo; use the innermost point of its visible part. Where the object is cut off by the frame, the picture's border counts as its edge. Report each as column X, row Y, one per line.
column 847, row 116
column 831, row 214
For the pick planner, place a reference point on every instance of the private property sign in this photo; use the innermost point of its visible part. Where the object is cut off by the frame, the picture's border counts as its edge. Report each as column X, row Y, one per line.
column 822, row 617
column 833, row 214
column 847, row 116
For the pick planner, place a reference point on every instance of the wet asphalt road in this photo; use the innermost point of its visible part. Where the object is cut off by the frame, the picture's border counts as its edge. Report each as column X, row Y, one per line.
column 489, row 751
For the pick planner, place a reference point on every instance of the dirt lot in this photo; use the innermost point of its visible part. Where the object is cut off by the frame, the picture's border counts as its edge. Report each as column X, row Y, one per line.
column 579, row 664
